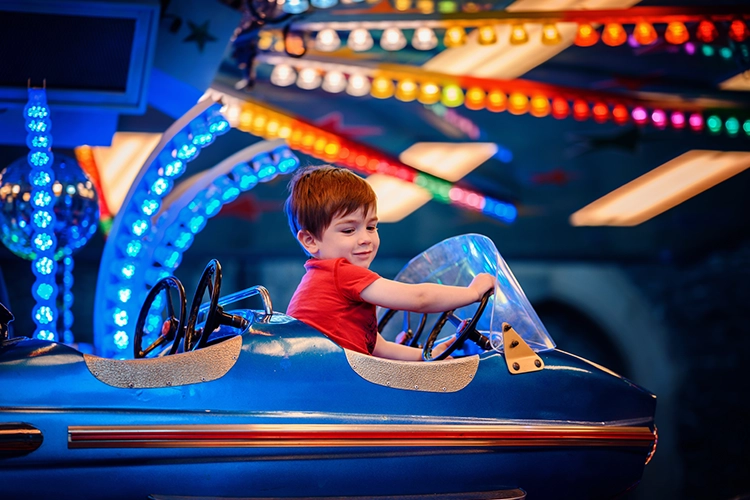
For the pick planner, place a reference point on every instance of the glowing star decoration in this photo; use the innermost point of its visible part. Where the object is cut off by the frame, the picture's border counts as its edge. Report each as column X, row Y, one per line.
column 44, row 243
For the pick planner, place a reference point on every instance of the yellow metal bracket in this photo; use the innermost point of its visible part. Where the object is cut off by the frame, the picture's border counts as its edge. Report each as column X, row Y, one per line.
column 519, row 357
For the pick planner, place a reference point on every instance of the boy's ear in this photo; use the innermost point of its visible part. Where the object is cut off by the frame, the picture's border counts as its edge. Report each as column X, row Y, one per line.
column 307, row 241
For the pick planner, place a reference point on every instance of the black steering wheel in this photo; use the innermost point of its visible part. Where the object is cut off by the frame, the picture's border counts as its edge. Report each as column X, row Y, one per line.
column 211, row 280
column 171, row 329
column 412, row 338
column 465, row 329
column 215, row 315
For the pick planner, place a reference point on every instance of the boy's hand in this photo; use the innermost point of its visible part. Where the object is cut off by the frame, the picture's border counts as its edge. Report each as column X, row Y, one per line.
column 481, row 283
column 438, row 349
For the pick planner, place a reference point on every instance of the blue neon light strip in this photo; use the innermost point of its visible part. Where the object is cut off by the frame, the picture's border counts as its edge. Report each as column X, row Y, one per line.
column 43, row 241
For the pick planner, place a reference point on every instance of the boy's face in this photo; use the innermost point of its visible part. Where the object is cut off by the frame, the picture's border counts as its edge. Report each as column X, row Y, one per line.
column 353, row 237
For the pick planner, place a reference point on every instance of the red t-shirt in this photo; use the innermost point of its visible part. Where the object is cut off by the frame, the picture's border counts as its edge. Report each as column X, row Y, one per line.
column 328, row 299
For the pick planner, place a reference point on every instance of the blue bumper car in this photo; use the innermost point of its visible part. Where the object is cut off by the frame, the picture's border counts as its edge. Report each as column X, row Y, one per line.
column 255, row 404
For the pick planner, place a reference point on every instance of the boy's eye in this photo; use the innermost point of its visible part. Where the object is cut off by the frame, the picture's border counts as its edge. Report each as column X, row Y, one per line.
column 347, row 231
column 372, row 228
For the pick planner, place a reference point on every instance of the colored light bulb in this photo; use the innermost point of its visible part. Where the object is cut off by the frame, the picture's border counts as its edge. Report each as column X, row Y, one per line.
column 496, row 101
column 659, row 117
column 382, row 88
column 620, row 114
column 581, row 109
column 640, row 116
column 455, row 36
column 452, row 96
column 486, row 35
column 518, row 35
column 540, row 106
column 518, row 103
column 614, row 34
column 600, row 112
column 550, row 34
column 586, row 35
column 678, row 120
column 644, row 33
column 706, row 31
column 475, row 97
column 560, row 108
column 696, row 121
column 738, row 30
column 406, row 90
column 676, row 33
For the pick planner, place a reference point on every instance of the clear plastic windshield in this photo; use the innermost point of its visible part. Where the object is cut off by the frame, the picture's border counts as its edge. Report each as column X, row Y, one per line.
column 456, row 261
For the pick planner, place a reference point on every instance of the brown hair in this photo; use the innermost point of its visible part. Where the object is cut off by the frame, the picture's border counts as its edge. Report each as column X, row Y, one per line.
column 318, row 194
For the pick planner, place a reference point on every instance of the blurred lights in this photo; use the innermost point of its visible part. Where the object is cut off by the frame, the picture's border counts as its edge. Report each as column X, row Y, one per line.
column 676, row 33
column 614, row 34
column 308, row 79
column 644, row 33
column 406, row 90
column 550, row 34
column 392, row 39
column 334, row 82
column 486, row 35
column 452, row 96
column 496, row 101
column 518, row 35
column 424, row 39
column 358, row 85
column 455, row 36
column 738, row 30
column 359, row 40
column 382, row 88
column 518, row 103
column 560, row 108
column 327, row 40
column 706, row 31
column 429, row 93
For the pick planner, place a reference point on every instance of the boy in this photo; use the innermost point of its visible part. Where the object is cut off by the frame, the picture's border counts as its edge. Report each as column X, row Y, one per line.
column 332, row 213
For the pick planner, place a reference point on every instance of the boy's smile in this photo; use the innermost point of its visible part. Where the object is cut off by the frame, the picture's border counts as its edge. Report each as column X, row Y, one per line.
column 353, row 237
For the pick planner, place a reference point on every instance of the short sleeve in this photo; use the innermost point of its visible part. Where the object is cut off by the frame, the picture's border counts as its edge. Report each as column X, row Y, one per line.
column 351, row 280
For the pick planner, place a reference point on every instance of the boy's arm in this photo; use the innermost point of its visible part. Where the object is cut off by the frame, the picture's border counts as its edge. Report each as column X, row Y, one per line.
column 425, row 297
column 391, row 350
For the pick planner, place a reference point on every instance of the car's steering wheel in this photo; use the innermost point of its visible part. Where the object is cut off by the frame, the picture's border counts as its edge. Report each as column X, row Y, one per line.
column 412, row 338
column 211, row 280
column 465, row 329
column 170, row 327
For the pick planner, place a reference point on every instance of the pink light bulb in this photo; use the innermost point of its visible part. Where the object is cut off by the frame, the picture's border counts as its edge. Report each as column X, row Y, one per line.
column 696, row 121
column 678, row 119
column 639, row 115
column 659, row 118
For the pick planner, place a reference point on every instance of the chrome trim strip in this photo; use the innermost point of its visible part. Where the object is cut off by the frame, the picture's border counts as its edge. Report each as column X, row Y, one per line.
column 17, row 439
column 354, row 435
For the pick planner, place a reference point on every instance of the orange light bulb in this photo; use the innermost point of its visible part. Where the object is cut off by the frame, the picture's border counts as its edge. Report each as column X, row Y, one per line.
column 474, row 98
column 540, row 106
column 518, row 103
column 620, row 114
column 586, row 36
column 496, row 101
column 518, row 35
column 676, row 33
column 550, row 34
column 644, row 33
column 581, row 109
column 560, row 108
column 600, row 112
column 614, row 34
